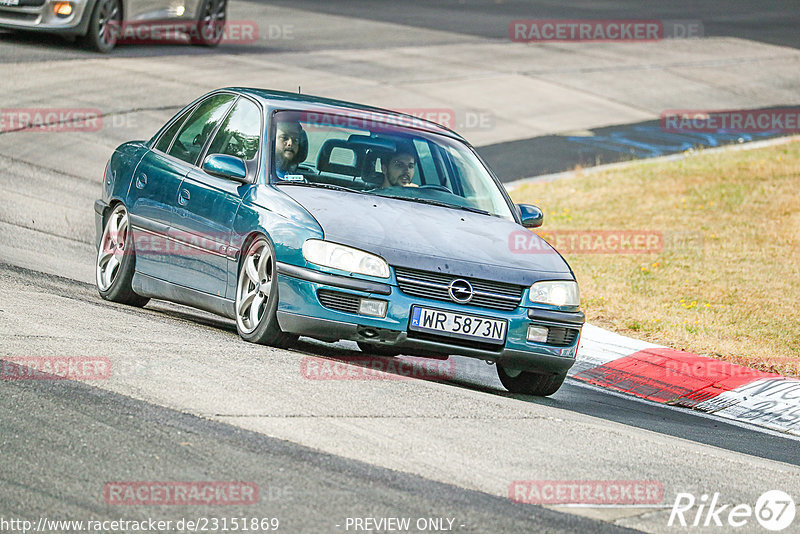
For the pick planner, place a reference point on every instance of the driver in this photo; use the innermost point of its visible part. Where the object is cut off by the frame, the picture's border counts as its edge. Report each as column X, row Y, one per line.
column 287, row 147
column 398, row 169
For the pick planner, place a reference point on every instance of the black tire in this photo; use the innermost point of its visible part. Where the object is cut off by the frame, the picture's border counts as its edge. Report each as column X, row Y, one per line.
column 264, row 329
column 105, row 26
column 378, row 350
column 210, row 27
column 528, row 383
column 120, row 274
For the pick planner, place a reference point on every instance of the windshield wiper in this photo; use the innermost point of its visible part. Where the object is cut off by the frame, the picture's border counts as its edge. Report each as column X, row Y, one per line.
column 320, row 185
column 440, row 203
column 411, row 199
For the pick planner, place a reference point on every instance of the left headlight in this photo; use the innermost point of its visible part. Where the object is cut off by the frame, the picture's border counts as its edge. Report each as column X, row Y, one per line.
column 556, row 293
column 344, row 258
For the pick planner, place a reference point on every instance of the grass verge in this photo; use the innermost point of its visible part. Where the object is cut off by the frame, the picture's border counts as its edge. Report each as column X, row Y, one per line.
column 726, row 281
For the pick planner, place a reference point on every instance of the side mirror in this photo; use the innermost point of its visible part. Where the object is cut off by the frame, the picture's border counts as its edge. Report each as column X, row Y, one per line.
column 532, row 216
column 226, row 166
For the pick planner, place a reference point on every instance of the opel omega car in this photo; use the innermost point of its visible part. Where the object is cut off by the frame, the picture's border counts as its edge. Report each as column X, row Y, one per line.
column 303, row 216
column 101, row 23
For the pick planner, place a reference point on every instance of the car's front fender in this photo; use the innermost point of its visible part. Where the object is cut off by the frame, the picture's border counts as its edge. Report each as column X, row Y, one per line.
column 268, row 211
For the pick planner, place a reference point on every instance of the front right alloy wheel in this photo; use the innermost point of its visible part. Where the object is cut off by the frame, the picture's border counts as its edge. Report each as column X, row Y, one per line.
column 528, row 383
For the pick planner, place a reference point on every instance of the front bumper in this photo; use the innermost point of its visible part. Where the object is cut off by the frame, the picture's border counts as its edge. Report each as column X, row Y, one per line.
column 38, row 15
column 301, row 312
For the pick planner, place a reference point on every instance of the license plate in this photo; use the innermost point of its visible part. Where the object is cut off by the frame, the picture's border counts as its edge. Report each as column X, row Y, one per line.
column 458, row 325
column 9, row 2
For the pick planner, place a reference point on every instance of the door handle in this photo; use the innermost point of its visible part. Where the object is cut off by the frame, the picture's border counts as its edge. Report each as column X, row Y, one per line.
column 141, row 181
column 183, row 197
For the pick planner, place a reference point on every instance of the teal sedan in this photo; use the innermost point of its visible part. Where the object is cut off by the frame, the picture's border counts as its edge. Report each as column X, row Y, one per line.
column 303, row 216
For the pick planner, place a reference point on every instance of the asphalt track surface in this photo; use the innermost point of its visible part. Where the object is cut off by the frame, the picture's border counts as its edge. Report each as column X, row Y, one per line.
column 574, row 396
column 549, row 154
column 67, row 441
column 195, row 403
column 769, row 22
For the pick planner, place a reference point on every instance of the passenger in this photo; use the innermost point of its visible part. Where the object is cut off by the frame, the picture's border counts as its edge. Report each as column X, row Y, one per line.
column 398, row 169
column 288, row 154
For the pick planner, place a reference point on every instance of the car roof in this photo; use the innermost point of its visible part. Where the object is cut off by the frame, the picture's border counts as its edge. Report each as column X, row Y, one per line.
column 298, row 101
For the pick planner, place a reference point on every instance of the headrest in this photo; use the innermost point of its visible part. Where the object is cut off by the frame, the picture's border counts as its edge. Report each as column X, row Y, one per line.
column 369, row 174
column 324, row 163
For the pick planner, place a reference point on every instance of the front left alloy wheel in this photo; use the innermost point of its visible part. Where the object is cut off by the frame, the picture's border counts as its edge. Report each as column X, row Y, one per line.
column 257, row 297
column 105, row 26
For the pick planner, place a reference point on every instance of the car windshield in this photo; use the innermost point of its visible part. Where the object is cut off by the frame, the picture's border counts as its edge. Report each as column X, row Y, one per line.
column 374, row 157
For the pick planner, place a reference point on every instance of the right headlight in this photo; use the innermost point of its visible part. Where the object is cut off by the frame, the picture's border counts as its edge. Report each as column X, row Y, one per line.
column 344, row 258
column 555, row 293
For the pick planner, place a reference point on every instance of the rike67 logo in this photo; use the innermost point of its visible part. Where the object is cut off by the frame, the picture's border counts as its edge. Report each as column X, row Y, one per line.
column 774, row 510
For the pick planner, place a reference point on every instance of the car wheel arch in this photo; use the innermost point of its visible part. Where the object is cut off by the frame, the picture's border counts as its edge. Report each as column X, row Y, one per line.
column 251, row 237
column 112, row 204
column 83, row 25
column 120, row 286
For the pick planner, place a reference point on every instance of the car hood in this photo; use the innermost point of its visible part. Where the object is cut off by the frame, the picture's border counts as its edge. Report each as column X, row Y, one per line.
column 432, row 238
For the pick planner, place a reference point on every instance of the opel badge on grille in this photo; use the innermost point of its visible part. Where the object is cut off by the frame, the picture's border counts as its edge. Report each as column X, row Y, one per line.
column 460, row 291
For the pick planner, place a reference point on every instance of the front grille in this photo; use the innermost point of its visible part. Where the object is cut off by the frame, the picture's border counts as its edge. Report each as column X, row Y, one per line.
column 16, row 15
column 561, row 336
column 468, row 343
column 336, row 300
column 487, row 294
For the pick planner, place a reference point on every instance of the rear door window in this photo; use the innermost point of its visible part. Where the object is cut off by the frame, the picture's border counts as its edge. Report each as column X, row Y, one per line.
column 166, row 138
column 199, row 127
